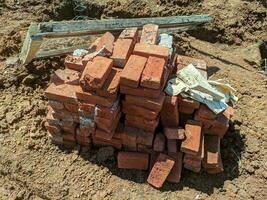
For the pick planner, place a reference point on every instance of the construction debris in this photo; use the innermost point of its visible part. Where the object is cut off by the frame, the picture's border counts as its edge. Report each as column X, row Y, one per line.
column 115, row 97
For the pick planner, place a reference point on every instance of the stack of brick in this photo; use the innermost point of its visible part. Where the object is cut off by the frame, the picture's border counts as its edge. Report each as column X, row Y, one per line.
column 114, row 96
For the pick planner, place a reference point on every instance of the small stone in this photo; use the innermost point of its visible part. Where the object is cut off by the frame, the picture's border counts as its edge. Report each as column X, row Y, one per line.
column 105, row 153
column 264, row 174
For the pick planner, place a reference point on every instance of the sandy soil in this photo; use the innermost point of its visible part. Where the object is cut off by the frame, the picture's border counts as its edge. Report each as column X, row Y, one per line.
column 32, row 168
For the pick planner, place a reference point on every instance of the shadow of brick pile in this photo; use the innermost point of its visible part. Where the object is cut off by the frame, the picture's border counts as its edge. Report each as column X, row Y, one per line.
column 114, row 96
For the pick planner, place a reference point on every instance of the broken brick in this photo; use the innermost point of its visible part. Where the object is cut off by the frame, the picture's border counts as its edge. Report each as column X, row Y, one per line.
column 169, row 113
column 132, row 71
column 111, row 86
column 95, row 73
column 160, row 170
column 205, row 112
column 183, row 61
column 106, row 43
column 149, row 34
column 67, row 76
column 133, row 160
column 74, row 62
column 152, row 75
column 192, row 143
column 122, row 51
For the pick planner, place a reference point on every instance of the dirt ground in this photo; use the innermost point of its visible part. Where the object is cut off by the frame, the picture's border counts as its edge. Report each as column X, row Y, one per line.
column 33, row 168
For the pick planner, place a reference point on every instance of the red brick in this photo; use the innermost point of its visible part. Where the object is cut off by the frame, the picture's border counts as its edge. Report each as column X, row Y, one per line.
column 169, row 113
column 65, row 76
column 87, row 122
column 211, row 151
column 132, row 71
column 129, row 33
column 107, row 113
column 205, row 112
column 88, row 58
column 195, row 169
column 106, row 42
column 159, row 143
column 174, row 133
column 149, row 34
column 118, row 134
column 122, row 51
column 58, row 140
column 133, row 160
column 101, row 134
column 69, row 137
column 111, row 86
column 153, row 158
column 116, row 143
column 57, row 105
column 71, row 107
column 186, row 110
column 108, row 125
column 87, row 107
column 152, row 75
column 62, row 93
column 175, row 174
column 90, row 98
column 154, row 104
column 70, row 129
column 139, row 122
column 94, row 44
column 74, row 62
column 129, row 136
column 86, row 131
column 141, row 92
column 183, row 61
column 172, row 146
column 144, row 149
column 139, row 111
column 207, row 123
column 84, row 141
column 160, row 170
column 216, row 170
column 96, row 73
column 145, row 137
column 129, row 147
column 147, row 50
column 192, row 143
column 217, row 128
column 187, row 102
column 52, row 129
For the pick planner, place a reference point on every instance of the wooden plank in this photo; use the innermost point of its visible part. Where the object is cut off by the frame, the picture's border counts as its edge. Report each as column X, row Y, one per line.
column 31, row 44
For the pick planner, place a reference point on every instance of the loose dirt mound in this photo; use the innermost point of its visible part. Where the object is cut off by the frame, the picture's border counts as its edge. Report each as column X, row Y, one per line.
column 32, row 168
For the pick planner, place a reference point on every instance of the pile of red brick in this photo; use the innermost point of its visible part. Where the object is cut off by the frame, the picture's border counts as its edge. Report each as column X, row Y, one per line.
column 115, row 96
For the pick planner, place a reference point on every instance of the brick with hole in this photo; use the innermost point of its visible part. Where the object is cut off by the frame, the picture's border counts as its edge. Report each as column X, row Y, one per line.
column 160, row 171
column 122, row 51
column 74, row 63
column 132, row 71
column 152, row 75
column 133, row 160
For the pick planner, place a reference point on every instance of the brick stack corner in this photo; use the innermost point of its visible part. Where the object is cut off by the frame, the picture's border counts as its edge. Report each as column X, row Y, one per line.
column 114, row 96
